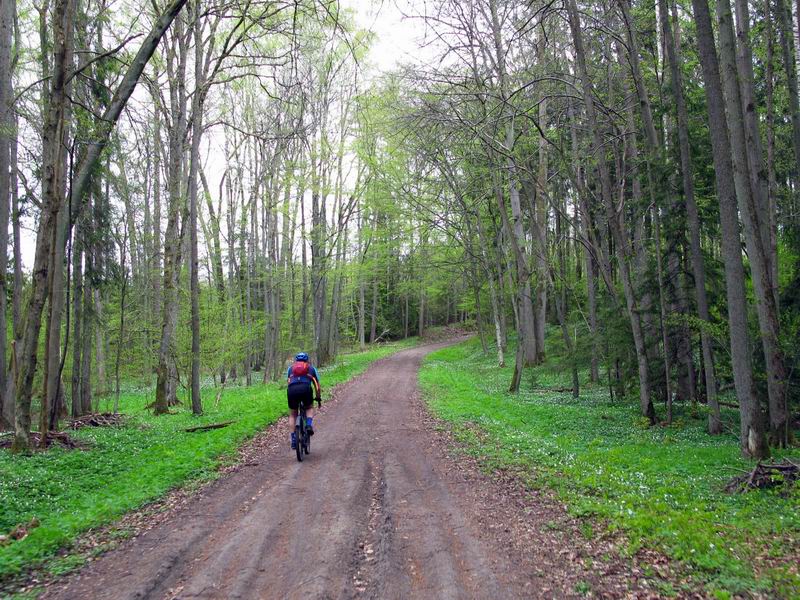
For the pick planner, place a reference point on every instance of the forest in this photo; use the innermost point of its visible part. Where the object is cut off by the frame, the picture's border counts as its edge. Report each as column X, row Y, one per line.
column 624, row 173
column 191, row 191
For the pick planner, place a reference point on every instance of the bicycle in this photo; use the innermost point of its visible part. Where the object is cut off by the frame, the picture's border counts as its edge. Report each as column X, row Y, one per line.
column 303, row 444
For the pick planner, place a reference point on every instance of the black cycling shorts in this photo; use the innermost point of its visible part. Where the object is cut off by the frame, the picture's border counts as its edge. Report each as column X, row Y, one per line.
column 300, row 392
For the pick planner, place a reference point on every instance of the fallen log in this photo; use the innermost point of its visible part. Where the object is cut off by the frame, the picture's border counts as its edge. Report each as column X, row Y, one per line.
column 380, row 337
column 208, row 427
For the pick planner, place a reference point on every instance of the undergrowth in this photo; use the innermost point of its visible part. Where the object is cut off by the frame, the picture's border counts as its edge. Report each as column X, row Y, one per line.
column 70, row 491
column 661, row 486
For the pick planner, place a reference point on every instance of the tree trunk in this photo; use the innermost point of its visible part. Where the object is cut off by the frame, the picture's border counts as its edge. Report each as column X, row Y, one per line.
column 77, row 321
column 18, row 284
column 752, row 436
column 663, row 313
column 693, row 220
column 52, row 144
column 612, row 216
column 496, row 310
column 319, row 237
column 121, row 334
column 561, row 306
column 100, row 344
column 584, row 227
column 784, row 14
column 540, row 224
column 421, row 326
column 154, row 275
column 89, row 317
column 361, row 314
column 771, row 160
column 474, row 278
column 526, row 318
column 166, row 370
column 654, row 162
column 7, row 137
column 405, row 315
column 197, row 121
column 747, row 170
column 8, row 407
column 52, row 372
column 304, row 269
column 373, row 319
column 53, row 138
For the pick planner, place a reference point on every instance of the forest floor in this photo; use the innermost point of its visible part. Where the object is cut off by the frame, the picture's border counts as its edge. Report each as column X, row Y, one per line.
column 382, row 508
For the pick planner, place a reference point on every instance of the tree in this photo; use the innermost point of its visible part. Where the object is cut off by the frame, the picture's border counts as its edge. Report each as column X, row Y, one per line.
column 53, row 144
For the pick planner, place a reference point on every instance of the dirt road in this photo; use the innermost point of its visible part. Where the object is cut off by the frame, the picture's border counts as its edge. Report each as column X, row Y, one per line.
column 373, row 512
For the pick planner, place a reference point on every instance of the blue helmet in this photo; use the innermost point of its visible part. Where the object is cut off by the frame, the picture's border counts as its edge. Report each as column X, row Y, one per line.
column 302, row 356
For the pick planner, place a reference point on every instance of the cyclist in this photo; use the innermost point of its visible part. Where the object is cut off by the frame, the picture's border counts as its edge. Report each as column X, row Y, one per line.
column 303, row 383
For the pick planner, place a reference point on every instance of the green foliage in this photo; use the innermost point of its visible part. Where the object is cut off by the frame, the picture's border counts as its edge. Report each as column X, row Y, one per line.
column 661, row 486
column 126, row 467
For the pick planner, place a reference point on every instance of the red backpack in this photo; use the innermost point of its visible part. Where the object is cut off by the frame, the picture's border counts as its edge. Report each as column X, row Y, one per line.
column 300, row 368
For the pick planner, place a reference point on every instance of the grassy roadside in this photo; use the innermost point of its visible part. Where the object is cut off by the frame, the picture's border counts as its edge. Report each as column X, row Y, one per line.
column 68, row 492
column 661, row 486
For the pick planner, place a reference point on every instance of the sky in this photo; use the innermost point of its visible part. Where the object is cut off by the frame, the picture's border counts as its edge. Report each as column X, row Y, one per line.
column 398, row 38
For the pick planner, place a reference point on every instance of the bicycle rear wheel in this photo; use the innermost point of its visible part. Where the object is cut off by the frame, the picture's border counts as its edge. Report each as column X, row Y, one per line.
column 298, row 434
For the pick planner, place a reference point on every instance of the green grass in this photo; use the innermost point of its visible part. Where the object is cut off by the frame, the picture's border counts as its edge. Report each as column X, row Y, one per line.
column 126, row 467
column 661, row 486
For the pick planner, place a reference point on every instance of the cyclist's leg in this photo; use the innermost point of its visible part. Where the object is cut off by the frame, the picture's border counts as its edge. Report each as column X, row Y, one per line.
column 308, row 402
column 294, row 396
column 309, row 420
column 293, row 400
column 292, row 434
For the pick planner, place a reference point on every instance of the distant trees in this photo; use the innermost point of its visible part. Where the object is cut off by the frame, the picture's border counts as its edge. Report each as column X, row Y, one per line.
column 596, row 127
column 206, row 222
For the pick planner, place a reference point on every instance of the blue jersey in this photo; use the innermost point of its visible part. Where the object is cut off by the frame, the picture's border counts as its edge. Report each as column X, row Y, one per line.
column 312, row 372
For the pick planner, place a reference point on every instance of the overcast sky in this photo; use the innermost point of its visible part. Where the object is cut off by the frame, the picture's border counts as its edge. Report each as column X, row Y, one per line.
column 398, row 39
